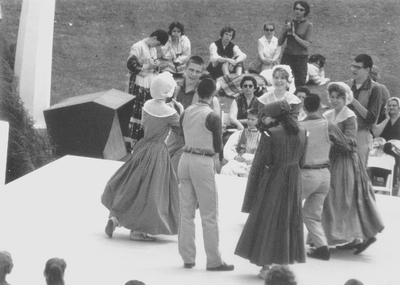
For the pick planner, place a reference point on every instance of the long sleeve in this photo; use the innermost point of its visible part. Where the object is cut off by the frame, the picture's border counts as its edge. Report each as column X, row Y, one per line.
column 231, row 145
column 214, row 56
column 186, row 50
column 238, row 54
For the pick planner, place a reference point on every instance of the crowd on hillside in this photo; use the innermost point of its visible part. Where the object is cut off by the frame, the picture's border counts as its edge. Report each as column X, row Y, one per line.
column 305, row 161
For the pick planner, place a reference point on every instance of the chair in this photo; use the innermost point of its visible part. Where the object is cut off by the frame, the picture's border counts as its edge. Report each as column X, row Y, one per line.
column 382, row 170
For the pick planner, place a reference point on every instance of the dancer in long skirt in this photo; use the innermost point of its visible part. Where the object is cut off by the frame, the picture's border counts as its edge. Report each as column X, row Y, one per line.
column 350, row 214
column 143, row 194
column 273, row 233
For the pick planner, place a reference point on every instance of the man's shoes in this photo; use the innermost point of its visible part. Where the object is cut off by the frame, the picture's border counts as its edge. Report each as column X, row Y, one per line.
column 189, row 265
column 347, row 246
column 320, row 253
column 111, row 225
column 363, row 246
column 222, row 267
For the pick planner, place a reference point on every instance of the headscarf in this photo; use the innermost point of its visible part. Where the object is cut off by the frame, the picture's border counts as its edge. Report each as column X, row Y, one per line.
column 163, row 86
column 347, row 91
column 276, row 109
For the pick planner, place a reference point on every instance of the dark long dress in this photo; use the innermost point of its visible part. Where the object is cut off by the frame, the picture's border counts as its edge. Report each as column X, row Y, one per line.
column 350, row 210
column 273, row 232
column 143, row 193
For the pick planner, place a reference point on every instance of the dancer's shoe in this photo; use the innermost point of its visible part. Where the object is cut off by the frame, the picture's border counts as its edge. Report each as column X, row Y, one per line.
column 320, row 253
column 111, row 225
column 363, row 246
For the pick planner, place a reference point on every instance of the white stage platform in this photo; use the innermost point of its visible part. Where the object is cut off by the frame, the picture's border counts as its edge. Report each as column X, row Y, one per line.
column 56, row 212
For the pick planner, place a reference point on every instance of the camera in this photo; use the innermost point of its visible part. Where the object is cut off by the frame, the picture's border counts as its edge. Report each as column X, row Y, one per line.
column 288, row 24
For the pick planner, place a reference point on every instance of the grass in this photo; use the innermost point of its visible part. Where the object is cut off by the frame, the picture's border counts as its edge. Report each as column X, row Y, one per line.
column 92, row 37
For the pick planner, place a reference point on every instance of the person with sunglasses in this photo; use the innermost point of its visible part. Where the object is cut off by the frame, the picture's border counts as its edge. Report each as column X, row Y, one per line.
column 268, row 50
column 246, row 100
column 297, row 35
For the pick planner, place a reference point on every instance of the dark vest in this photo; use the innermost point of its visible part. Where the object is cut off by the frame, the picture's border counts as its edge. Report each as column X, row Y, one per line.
column 227, row 52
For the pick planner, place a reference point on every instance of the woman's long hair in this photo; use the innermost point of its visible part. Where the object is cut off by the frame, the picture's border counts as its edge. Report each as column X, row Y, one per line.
column 289, row 123
column 54, row 271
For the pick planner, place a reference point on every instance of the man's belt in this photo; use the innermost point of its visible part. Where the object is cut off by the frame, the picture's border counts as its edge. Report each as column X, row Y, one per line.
column 198, row 151
column 318, row 166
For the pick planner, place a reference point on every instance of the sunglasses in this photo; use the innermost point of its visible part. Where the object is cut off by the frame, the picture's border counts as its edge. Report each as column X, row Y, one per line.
column 248, row 86
column 299, row 9
column 269, row 30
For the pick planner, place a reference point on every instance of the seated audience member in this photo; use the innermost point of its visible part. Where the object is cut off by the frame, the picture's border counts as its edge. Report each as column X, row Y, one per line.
column 353, row 282
column 240, row 148
column 389, row 129
column 375, row 76
column 245, row 101
column 315, row 70
column 176, row 52
column 225, row 57
column 6, row 265
column 268, row 50
column 54, row 271
column 302, row 92
column 280, row 275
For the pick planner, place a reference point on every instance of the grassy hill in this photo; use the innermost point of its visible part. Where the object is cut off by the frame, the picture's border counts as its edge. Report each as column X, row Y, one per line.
column 92, row 37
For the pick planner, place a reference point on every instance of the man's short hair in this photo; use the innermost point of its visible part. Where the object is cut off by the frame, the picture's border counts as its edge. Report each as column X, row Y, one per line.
column 365, row 59
column 312, row 102
column 196, row 60
column 302, row 89
column 228, row 29
column 206, row 88
column 161, row 35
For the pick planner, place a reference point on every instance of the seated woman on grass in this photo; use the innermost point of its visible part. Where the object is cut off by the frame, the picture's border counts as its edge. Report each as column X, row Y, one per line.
column 225, row 57
column 176, row 51
column 268, row 50
column 315, row 70
column 245, row 101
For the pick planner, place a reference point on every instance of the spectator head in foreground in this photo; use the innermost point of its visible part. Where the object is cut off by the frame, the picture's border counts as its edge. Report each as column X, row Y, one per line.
column 54, row 271
column 280, row 275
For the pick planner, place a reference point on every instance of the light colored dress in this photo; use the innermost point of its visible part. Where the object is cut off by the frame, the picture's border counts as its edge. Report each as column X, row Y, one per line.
column 350, row 210
column 141, row 57
column 143, row 193
column 176, row 55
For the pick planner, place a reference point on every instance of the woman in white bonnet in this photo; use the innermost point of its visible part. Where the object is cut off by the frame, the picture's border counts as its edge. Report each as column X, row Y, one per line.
column 350, row 214
column 143, row 194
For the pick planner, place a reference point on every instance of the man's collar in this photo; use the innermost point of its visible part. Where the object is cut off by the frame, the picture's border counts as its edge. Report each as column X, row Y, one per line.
column 365, row 85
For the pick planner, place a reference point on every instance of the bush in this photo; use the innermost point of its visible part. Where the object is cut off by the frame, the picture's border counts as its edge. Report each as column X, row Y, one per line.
column 27, row 148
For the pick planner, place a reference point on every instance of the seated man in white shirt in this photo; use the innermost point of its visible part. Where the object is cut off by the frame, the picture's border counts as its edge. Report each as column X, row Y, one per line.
column 240, row 148
column 225, row 56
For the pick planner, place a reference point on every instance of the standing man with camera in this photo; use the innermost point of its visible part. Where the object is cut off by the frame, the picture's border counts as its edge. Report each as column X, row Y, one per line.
column 297, row 34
